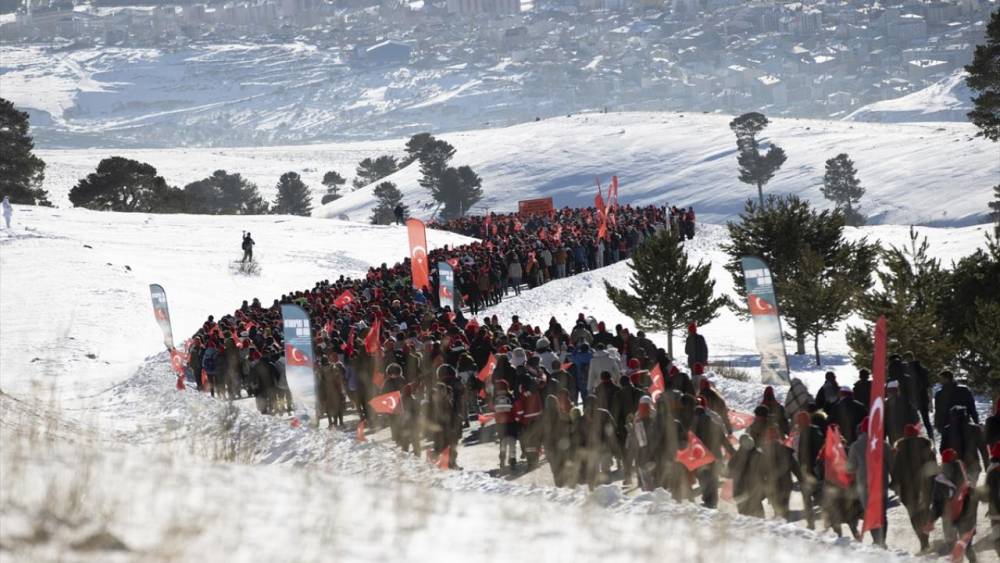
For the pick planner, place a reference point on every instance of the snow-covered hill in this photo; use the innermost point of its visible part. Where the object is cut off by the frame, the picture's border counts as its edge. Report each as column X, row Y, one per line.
column 937, row 174
column 104, row 460
column 947, row 100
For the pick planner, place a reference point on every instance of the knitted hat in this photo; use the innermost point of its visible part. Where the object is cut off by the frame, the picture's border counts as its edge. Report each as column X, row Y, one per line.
column 949, row 456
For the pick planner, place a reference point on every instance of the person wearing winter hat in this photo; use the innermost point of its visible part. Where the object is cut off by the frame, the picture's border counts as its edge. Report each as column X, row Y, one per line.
column 954, row 499
column 797, row 398
column 695, row 347
column 507, row 426
column 913, row 470
column 847, row 413
column 858, row 467
column 899, row 412
column 991, row 429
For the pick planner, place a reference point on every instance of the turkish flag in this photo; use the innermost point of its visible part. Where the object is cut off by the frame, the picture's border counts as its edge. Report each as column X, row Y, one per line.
column 177, row 361
column 419, row 269
column 485, row 418
column 487, row 371
column 760, row 306
column 740, row 420
column 602, row 229
column 344, row 299
column 389, row 403
column 204, row 380
column 789, row 440
column 599, row 199
column 835, row 458
column 876, row 434
column 566, row 366
column 295, row 357
column 359, row 434
column 695, row 455
column 659, row 385
column 373, row 340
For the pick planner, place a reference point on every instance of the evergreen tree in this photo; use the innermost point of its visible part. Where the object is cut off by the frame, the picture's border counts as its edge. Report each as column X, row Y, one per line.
column 984, row 77
column 970, row 312
column 224, row 194
column 333, row 181
column 21, row 172
column 434, row 159
column 995, row 206
column 122, row 184
column 755, row 168
column 842, row 187
column 293, row 196
column 458, row 190
column 910, row 292
column 667, row 293
column 415, row 145
column 388, row 197
column 786, row 232
column 370, row 171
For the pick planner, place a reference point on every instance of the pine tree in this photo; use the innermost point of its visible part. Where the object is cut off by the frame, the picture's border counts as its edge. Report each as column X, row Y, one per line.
column 21, row 172
column 434, row 159
column 293, row 196
column 122, row 184
column 370, row 170
column 388, row 197
column 984, row 77
column 842, row 187
column 333, row 181
column 667, row 292
column 783, row 232
column 995, row 205
column 970, row 312
column 911, row 289
column 755, row 168
column 458, row 190
column 224, row 194
column 415, row 145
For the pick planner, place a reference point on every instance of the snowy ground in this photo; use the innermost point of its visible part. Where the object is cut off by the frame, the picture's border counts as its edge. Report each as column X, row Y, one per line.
column 933, row 174
column 103, row 460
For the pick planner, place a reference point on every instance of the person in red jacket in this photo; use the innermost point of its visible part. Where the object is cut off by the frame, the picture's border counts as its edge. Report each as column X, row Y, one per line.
column 507, row 426
column 528, row 413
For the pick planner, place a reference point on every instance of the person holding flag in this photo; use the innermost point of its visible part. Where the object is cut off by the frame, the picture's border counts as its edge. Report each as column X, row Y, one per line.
column 857, row 467
column 955, row 502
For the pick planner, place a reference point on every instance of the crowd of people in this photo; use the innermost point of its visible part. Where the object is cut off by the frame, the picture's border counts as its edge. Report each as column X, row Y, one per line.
column 598, row 403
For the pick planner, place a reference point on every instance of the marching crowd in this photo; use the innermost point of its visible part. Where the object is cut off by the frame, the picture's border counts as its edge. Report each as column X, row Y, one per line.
column 598, row 403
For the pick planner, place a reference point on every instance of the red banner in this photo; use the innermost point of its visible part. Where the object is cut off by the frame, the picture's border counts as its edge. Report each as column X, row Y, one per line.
column 373, row 340
column 540, row 206
column 418, row 253
column 835, row 458
column 739, row 420
column 346, row 298
column 388, row 403
column 876, row 434
column 695, row 455
column 659, row 385
column 487, row 371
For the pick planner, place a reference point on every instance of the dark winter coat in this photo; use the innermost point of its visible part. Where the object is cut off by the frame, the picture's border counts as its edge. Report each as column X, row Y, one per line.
column 967, row 440
column 913, row 469
column 953, row 395
column 898, row 413
column 847, row 414
column 696, row 349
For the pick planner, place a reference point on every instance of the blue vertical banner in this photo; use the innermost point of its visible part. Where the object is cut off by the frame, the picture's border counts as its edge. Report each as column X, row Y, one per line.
column 446, row 285
column 766, row 320
column 162, row 314
column 299, row 359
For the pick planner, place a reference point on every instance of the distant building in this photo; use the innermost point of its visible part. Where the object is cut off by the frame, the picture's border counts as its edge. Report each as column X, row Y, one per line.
column 386, row 53
column 472, row 7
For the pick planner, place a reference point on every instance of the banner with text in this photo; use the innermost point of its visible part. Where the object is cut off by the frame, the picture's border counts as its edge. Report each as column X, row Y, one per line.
column 299, row 360
column 540, row 206
column 446, row 285
column 418, row 253
column 162, row 313
column 766, row 320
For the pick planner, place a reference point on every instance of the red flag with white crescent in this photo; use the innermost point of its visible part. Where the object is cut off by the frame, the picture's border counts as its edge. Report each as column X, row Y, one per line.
column 444, row 459
column 177, row 361
column 835, row 458
column 739, row 420
column 659, row 385
column 295, row 357
column 484, row 419
column 695, row 455
column 958, row 552
column 419, row 268
column 876, row 434
column 760, row 306
column 388, row 403
column 344, row 299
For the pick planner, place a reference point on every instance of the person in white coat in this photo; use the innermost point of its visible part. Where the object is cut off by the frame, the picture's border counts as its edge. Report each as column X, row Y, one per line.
column 604, row 360
column 7, row 210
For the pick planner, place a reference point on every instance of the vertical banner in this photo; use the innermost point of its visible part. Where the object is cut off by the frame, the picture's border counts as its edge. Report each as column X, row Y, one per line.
column 876, row 434
column 299, row 359
column 766, row 321
column 418, row 253
column 162, row 313
column 446, row 286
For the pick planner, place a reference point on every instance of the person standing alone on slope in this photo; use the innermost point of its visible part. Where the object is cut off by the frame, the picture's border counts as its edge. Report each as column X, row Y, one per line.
column 247, row 247
column 7, row 210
